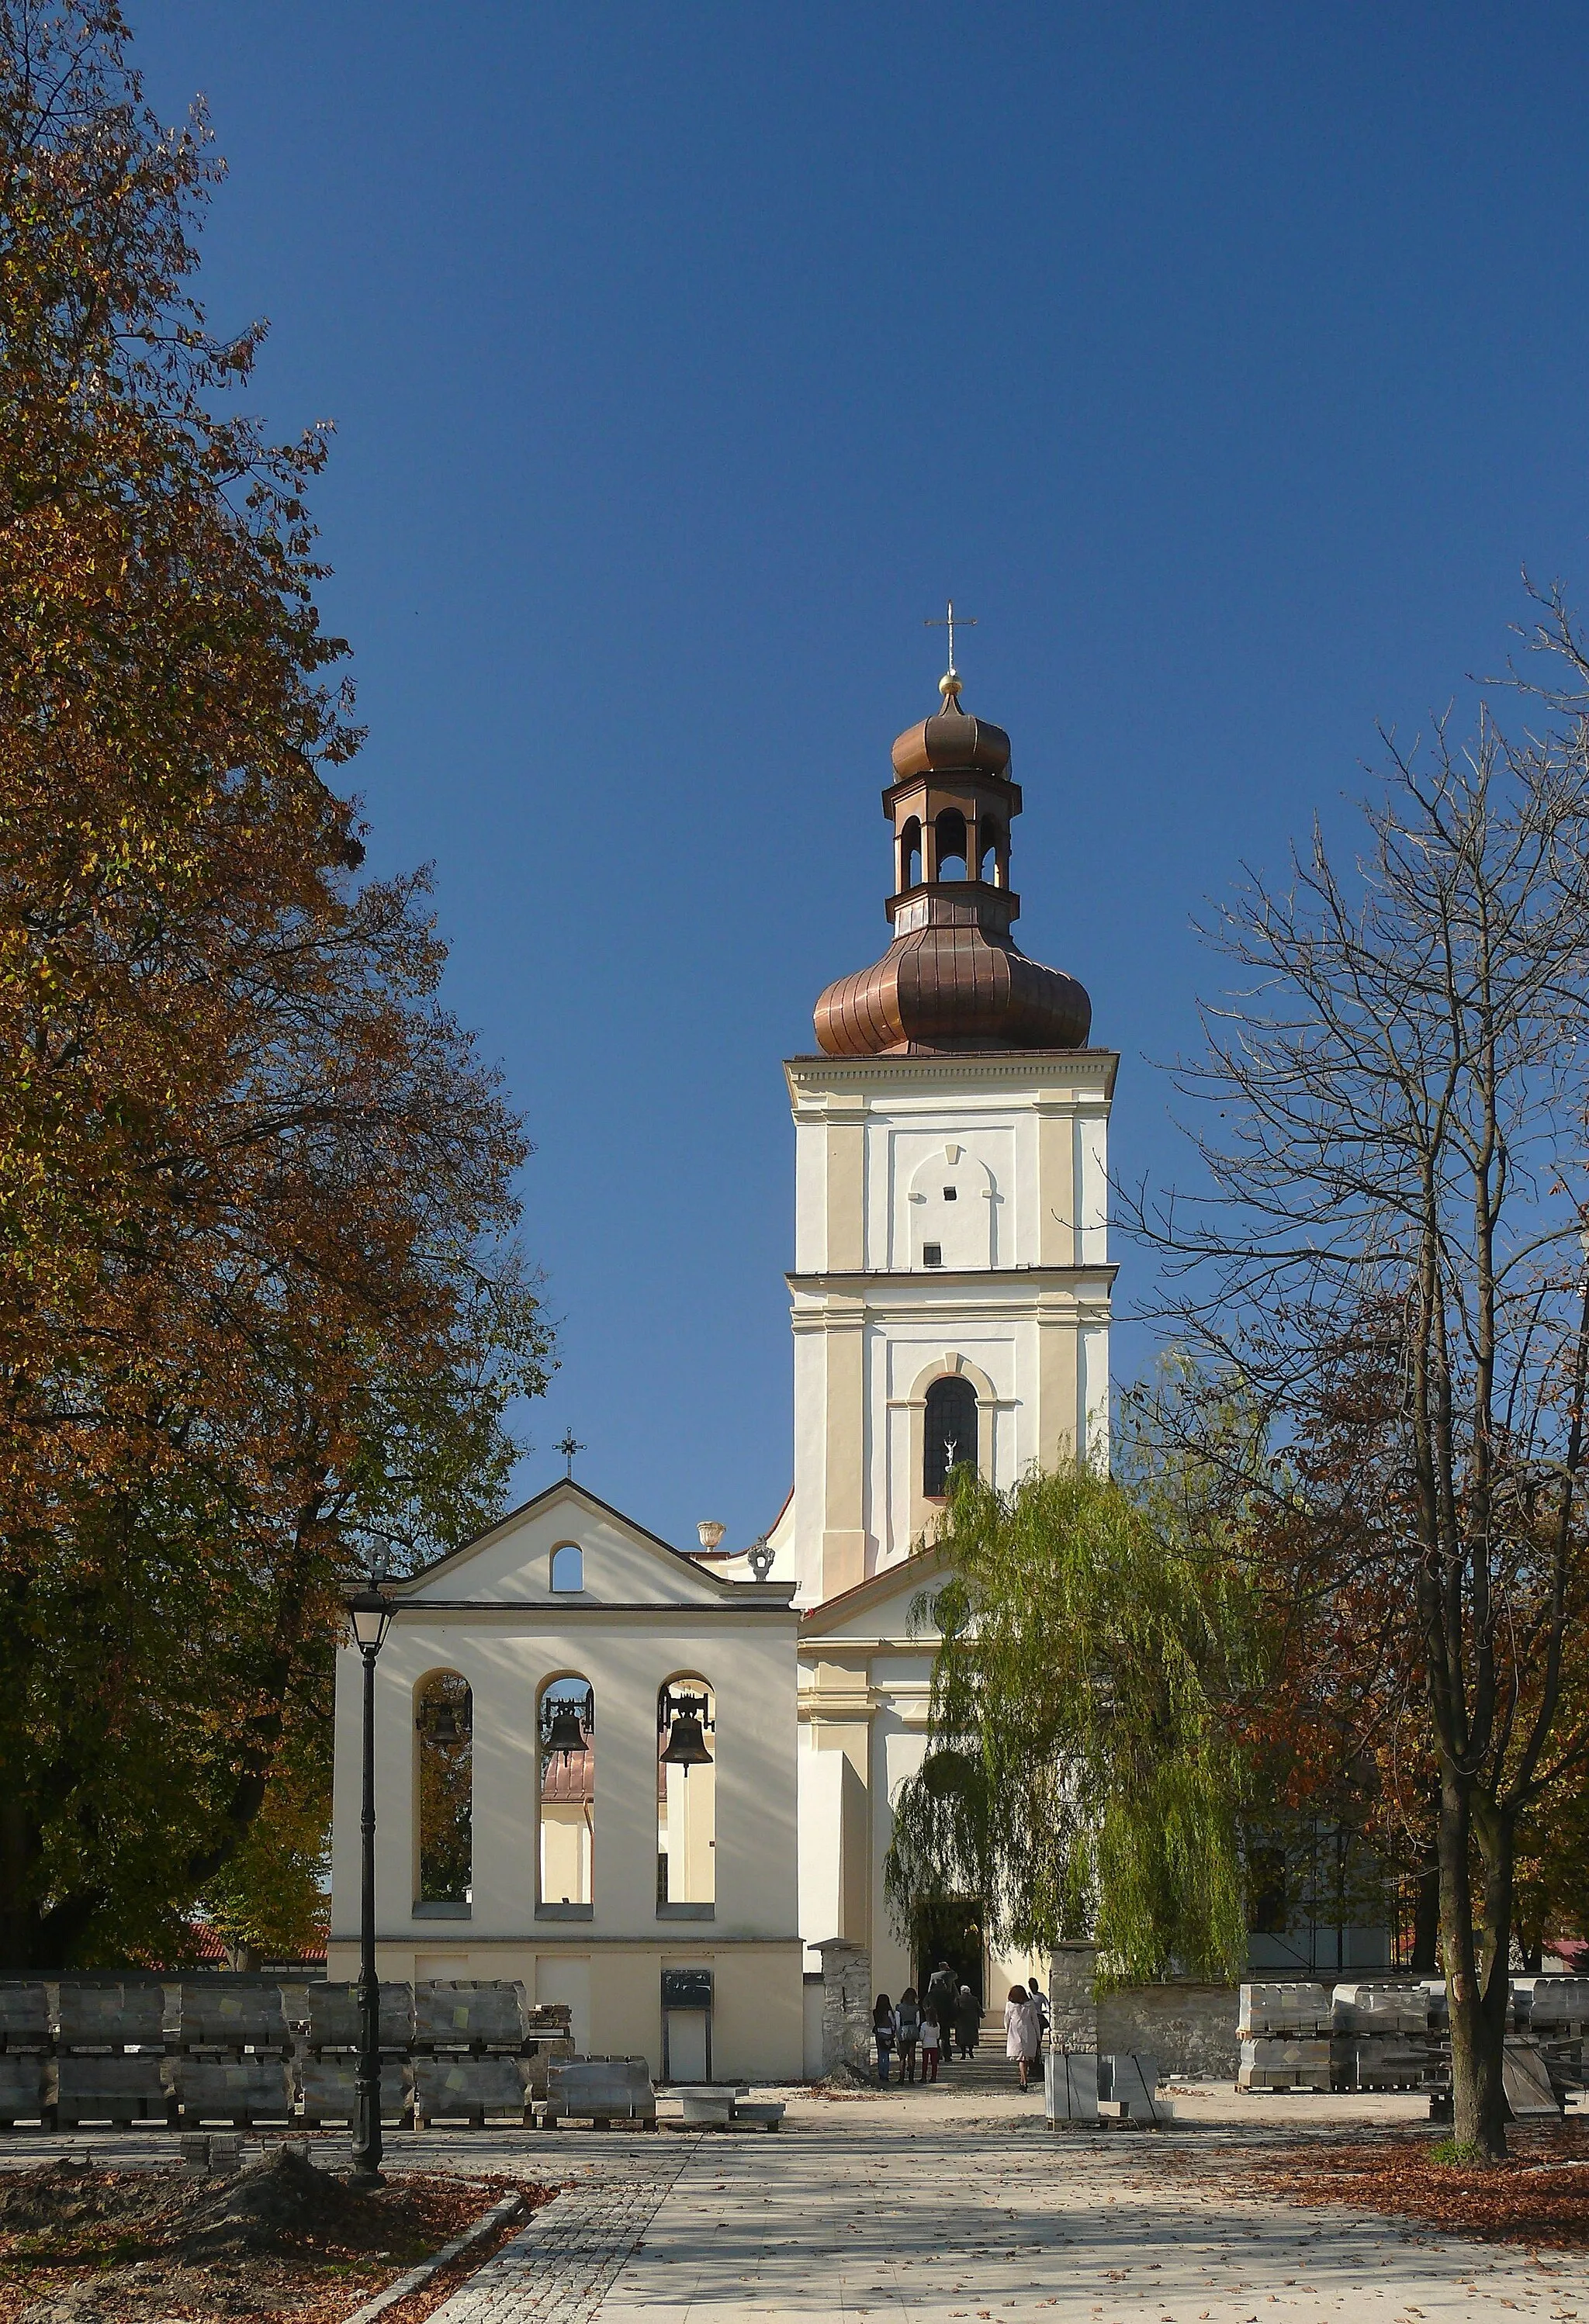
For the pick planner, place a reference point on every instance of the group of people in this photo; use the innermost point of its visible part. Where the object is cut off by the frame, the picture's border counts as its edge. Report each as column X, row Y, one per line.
column 931, row 2024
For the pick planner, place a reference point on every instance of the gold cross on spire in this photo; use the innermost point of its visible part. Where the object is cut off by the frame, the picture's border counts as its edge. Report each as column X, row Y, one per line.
column 952, row 622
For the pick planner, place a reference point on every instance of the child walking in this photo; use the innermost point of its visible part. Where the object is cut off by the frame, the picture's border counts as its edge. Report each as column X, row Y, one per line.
column 907, row 2019
column 930, row 2041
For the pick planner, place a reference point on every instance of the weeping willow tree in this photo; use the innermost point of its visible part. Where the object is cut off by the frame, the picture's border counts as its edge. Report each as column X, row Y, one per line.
column 1081, row 1778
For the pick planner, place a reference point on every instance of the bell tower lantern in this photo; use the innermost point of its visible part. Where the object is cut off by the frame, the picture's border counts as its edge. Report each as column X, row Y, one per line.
column 953, row 977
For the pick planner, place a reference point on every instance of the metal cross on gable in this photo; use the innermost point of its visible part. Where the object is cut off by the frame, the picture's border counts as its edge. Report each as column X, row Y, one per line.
column 951, row 621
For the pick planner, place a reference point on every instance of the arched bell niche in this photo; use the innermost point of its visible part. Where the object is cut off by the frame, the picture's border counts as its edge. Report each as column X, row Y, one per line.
column 444, row 1724
column 566, row 1836
column 687, row 1797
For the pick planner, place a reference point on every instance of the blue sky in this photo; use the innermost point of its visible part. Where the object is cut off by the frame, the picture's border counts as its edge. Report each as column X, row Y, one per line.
column 1228, row 363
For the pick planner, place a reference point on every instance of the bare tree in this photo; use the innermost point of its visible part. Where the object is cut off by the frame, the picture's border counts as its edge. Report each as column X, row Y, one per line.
column 1394, row 1128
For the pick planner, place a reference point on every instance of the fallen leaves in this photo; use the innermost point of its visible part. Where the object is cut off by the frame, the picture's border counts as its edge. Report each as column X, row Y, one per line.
column 1539, row 2196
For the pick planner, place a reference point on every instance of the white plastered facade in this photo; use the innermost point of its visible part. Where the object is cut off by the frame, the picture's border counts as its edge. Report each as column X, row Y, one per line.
column 1016, row 1301
column 646, row 1614
column 995, row 1168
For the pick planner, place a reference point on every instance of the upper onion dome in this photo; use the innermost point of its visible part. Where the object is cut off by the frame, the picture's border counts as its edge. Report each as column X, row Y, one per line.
column 952, row 739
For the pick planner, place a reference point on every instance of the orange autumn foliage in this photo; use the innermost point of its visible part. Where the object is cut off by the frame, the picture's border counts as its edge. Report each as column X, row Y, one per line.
column 260, row 1308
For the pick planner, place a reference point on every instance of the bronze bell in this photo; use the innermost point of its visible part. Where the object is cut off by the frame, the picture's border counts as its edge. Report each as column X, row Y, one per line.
column 563, row 1731
column 444, row 1728
column 687, row 1745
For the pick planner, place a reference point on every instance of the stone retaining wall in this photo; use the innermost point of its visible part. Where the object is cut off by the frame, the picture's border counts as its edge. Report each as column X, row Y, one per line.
column 1190, row 2029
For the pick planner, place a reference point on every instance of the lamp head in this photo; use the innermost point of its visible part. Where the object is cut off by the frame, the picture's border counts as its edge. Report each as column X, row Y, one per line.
column 369, row 1617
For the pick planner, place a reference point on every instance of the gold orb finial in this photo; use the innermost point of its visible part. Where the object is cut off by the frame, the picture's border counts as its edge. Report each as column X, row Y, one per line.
column 948, row 686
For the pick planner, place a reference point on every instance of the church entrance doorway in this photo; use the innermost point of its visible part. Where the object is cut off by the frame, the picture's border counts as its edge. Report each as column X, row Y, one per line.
column 951, row 1930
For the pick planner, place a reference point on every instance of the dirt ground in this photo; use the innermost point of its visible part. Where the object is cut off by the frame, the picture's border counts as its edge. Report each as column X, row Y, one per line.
column 280, row 2241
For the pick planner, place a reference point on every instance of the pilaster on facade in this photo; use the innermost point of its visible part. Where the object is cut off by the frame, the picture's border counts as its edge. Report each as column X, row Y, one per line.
column 968, row 1193
column 835, row 1696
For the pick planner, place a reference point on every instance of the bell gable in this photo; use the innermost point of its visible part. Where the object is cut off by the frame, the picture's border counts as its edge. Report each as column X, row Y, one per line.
column 566, row 1548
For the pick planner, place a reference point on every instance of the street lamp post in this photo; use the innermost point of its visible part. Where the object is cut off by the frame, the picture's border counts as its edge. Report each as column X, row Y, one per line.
column 369, row 1613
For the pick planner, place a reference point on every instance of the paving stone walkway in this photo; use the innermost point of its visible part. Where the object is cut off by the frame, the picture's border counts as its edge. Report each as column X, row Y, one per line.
column 858, row 2210
column 952, row 2207
column 561, row 2267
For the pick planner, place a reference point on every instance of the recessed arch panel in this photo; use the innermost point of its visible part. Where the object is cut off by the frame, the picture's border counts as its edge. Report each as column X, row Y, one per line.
column 565, row 1718
column 687, row 1796
column 568, row 1567
column 443, row 1727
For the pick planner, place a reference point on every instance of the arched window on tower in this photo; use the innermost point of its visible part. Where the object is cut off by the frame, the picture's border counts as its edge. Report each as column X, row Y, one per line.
column 991, row 857
column 687, row 1799
column 949, row 1441
column 444, row 1719
column 565, row 1715
column 910, row 854
column 951, row 833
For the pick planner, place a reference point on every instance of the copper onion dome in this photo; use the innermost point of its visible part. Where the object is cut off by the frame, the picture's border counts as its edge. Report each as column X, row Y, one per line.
column 953, row 978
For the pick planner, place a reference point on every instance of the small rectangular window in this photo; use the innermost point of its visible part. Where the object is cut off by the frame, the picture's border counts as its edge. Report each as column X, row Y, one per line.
column 932, row 1254
column 951, row 1194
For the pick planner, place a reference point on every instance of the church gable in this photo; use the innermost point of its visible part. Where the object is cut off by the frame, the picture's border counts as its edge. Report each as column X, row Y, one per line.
column 879, row 1608
column 566, row 1548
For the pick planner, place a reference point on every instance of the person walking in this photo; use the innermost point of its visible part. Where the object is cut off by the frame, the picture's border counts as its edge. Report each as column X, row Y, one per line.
column 1023, row 2031
column 883, row 2029
column 1041, row 1998
column 929, row 2040
column 967, row 2021
column 943, row 1993
column 908, row 2025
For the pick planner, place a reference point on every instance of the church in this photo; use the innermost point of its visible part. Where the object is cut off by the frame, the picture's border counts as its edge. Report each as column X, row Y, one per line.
column 654, row 1783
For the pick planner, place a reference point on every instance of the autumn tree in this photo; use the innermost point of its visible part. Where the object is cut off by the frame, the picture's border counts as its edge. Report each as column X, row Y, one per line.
column 1327, row 1775
column 260, row 1309
column 1393, row 1140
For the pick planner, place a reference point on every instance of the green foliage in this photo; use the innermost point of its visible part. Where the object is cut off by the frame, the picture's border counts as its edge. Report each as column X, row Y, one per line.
column 1455, row 2154
column 1081, row 1777
column 269, row 1899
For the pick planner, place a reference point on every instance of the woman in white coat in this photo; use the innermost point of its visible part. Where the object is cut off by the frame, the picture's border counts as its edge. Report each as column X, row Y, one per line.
column 1023, row 2031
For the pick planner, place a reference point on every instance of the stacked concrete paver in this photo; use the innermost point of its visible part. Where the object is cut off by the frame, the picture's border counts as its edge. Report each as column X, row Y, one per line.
column 26, row 2043
column 109, row 2055
column 1284, row 2031
column 327, row 2051
column 479, row 2047
column 231, row 2058
column 249, row 2052
column 1393, row 2034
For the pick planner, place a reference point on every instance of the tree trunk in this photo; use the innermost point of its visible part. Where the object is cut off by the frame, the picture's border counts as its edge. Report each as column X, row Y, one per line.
column 1478, row 2029
column 15, row 1913
column 1426, row 1919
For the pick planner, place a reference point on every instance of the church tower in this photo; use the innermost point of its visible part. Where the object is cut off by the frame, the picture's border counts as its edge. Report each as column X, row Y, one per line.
column 951, row 1284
